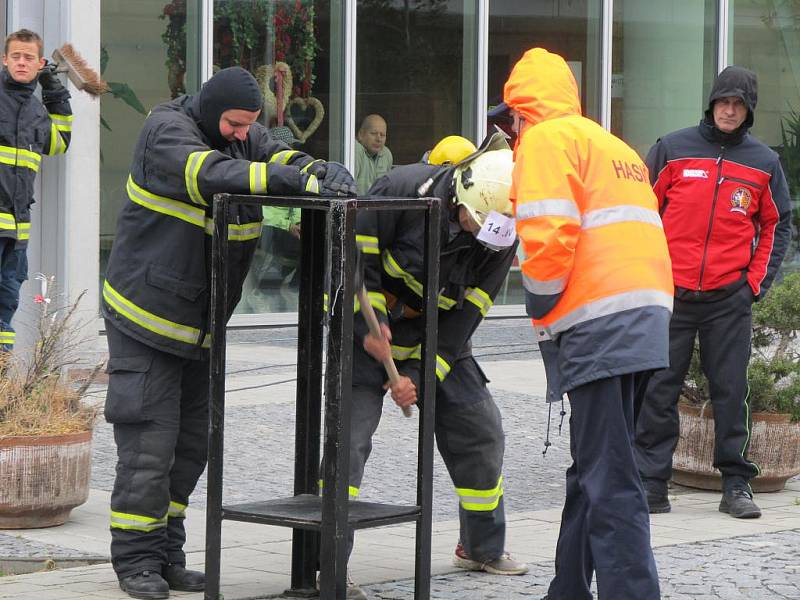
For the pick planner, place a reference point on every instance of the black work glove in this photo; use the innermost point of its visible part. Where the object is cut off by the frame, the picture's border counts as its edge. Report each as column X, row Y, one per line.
column 49, row 80
column 334, row 179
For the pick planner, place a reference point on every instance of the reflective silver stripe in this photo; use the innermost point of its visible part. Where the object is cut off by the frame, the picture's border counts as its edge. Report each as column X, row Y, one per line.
column 136, row 522
column 480, row 299
column 442, row 368
column 62, row 122
column 368, row 244
column 480, row 500
column 620, row 214
column 7, row 337
column 23, row 231
column 283, row 156
column 610, row 305
column 191, row 171
column 18, row 157
column 544, row 288
column 176, row 510
column 446, row 303
column 377, row 300
column 406, row 352
column 57, row 143
column 244, row 232
column 312, row 185
column 7, row 221
column 259, row 177
column 551, row 207
column 167, row 206
column 393, row 270
column 147, row 320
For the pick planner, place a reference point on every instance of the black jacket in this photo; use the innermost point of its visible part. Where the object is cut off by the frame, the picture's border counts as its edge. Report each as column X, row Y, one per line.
column 28, row 129
column 392, row 246
column 157, row 286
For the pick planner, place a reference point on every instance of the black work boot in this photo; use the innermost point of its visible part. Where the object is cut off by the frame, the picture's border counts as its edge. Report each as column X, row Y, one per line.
column 147, row 585
column 739, row 503
column 657, row 499
column 181, row 579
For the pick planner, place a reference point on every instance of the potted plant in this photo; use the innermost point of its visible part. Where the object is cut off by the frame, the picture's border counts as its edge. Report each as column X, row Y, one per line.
column 774, row 380
column 45, row 428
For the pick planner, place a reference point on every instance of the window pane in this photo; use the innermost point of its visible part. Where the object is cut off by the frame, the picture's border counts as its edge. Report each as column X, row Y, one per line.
column 410, row 69
column 664, row 58
column 570, row 29
column 285, row 44
column 766, row 40
column 149, row 54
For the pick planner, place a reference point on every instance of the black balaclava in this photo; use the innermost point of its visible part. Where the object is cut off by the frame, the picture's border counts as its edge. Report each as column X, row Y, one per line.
column 732, row 81
column 231, row 88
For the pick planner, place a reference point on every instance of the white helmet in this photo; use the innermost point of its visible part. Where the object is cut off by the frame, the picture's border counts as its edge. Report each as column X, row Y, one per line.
column 483, row 184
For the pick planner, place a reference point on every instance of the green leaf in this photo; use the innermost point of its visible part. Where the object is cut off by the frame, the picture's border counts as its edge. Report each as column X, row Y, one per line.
column 104, row 123
column 103, row 59
column 124, row 92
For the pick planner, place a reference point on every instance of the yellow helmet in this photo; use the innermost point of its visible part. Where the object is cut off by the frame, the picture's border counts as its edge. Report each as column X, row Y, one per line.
column 483, row 184
column 451, row 150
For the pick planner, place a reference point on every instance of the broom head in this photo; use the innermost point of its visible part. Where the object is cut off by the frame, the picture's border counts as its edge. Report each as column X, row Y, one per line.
column 79, row 72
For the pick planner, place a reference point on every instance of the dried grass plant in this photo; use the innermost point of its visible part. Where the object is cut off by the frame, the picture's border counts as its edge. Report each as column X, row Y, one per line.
column 36, row 397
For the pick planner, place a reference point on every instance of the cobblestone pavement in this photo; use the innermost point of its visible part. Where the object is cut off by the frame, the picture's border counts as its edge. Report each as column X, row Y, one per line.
column 757, row 567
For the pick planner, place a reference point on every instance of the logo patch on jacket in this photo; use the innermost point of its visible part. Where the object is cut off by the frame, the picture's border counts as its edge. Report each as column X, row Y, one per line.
column 740, row 200
column 695, row 173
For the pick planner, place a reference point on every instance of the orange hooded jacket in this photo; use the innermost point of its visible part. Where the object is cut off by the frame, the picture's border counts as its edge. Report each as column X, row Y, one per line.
column 596, row 267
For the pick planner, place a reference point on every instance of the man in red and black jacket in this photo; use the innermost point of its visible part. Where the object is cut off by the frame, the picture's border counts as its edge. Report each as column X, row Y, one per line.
column 724, row 203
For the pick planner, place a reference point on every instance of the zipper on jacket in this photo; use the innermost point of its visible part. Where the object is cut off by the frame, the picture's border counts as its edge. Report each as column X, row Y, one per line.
column 720, row 178
column 744, row 181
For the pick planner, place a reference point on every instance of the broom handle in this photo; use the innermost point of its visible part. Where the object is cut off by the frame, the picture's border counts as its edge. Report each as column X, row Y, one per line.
column 375, row 330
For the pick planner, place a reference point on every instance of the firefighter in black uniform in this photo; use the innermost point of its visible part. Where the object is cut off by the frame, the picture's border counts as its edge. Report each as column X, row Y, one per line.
column 156, row 307
column 468, row 424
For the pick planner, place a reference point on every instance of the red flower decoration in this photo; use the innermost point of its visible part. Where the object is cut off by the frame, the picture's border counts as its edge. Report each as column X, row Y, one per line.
column 38, row 298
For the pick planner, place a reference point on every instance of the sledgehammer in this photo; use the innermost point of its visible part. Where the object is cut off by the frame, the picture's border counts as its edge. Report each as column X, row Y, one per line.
column 375, row 330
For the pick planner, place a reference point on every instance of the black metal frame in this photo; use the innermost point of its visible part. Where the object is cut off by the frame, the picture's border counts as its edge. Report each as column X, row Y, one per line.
column 321, row 525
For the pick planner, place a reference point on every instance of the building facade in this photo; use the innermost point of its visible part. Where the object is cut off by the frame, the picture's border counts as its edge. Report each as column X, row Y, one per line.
column 430, row 67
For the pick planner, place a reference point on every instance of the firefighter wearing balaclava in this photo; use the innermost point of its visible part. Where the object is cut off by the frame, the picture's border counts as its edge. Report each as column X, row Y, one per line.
column 472, row 269
column 725, row 205
column 156, row 307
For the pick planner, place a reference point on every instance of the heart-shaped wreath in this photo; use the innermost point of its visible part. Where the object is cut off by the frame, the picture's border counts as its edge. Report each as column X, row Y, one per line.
column 275, row 82
column 305, row 104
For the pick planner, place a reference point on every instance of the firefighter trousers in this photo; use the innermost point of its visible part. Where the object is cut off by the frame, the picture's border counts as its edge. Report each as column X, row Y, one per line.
column 13, row 271
column 158, row 404
column 605, row 525
column 724, row 328
column 470, row 438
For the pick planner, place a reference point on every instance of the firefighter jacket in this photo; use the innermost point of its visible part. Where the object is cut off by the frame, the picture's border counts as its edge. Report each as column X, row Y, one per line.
column 596, row 267
column 392, row 245
column 28, row 130
column 157, row 286
column 724, row 202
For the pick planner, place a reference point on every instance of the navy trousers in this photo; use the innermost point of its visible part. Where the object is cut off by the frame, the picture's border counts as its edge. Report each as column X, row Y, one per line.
column 13, row 271
column 605, row 526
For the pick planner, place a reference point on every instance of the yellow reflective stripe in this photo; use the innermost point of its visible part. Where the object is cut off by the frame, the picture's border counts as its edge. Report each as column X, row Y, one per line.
column 190, row 173
column 446, row 303
column 368, row 244
column 20, row 158
column 167, row 206
column 480, row 299
column 23, row 231
column 136, row 522
column 176, row 510
column 149, row 321
column 62, row 122
column 7, row 221
column 57, row 143
column 309, row 165
column 258, row 177
column 352, row 490
column 393, row 270
column 378, row 301
column 442, row 368
column 406, row 352
column 283, row 156
column 244, row 232
column 325, row 302
column 480, row 500
column 312, row 185
column 7, row 337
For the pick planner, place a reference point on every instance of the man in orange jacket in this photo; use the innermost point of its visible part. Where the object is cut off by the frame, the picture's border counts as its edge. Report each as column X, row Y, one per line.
column 599, row 288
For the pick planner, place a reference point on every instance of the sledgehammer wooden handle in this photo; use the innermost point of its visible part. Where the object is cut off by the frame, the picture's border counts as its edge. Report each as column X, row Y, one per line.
column 375, row 329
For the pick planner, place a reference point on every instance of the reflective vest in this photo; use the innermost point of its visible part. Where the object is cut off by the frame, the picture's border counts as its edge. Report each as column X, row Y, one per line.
column 596, row 267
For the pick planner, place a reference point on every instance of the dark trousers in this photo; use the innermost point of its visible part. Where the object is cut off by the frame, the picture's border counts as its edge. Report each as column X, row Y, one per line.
column 605, row 526
column 725, row 329
column 13, row 271
column 470, row 438
column 158, row 404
